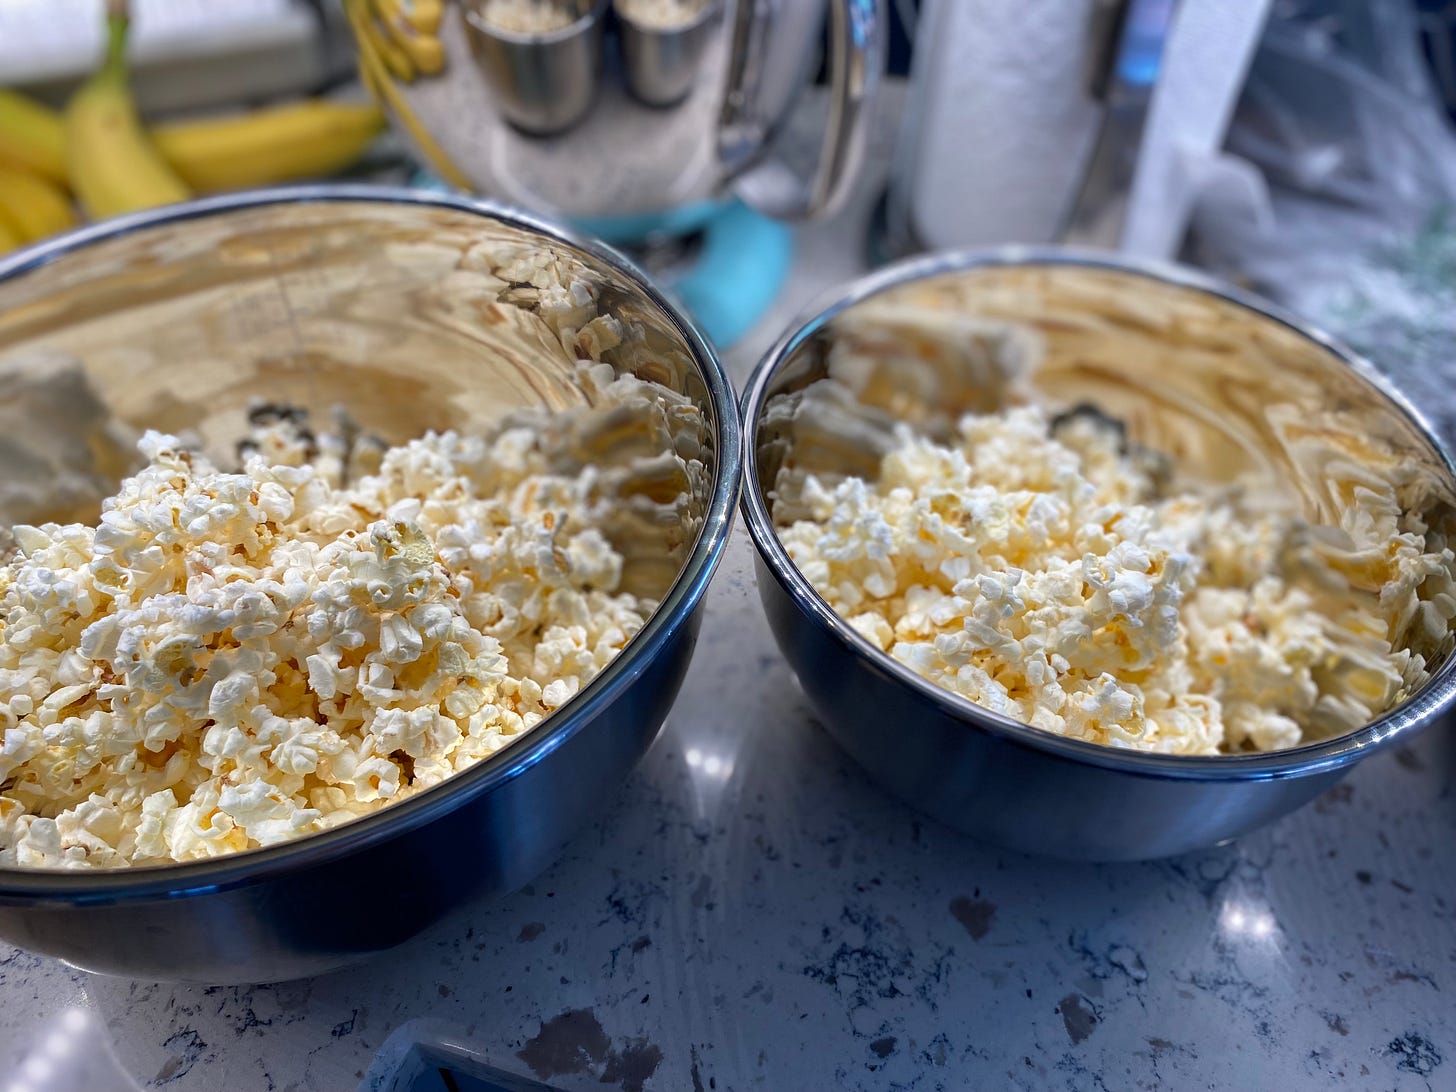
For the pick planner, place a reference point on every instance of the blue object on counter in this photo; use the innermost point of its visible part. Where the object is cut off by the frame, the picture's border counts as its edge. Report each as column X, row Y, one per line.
column 437, row 1063
column 744, row 260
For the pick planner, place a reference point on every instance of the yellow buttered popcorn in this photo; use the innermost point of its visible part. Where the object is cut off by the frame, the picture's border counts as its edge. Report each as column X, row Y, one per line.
column 1039, row 568
column 235, row 659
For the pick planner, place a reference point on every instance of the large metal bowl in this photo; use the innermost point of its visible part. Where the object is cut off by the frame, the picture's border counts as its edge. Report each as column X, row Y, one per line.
column 370, row 299
column 1193, row 369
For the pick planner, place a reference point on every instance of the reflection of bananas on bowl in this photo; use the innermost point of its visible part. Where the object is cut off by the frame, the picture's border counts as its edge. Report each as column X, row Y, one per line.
column 398, row 40
column 424, row 16
column 400, row 66
column 425, row 50
column 404, row 35
column 111, row 162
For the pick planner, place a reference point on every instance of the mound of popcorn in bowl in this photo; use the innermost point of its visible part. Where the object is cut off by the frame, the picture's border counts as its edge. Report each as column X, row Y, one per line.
column 1034, row 561
column 263, row 636
column 234, row 659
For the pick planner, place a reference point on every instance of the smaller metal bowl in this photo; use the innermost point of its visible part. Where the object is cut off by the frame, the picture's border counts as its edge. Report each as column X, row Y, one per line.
column 663, row 62
column 541, row 83
column 1193, row 369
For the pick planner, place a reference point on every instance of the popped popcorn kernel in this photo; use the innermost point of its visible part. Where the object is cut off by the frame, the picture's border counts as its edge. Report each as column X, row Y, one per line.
column 231, row 660
column 1034, row 568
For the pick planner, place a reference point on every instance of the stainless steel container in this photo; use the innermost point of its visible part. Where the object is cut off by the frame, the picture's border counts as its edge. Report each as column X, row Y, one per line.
column 1191, row 367
column 662, row 62
column 542, row 83
column 679, row 118
column 383, row 302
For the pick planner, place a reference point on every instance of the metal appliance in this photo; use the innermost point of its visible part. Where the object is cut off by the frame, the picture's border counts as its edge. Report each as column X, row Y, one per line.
column 648, row 135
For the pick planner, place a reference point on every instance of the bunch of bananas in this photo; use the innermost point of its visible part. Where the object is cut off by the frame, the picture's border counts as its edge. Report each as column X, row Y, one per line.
column 100, row 151
column 400, row 40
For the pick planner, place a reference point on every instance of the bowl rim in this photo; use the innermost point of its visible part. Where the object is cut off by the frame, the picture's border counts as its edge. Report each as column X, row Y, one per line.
column 1421, row 708
column 146, row 882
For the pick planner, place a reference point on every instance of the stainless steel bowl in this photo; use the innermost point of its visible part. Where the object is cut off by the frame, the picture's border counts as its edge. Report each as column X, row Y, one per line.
column 373, row 299
column 1192, row 368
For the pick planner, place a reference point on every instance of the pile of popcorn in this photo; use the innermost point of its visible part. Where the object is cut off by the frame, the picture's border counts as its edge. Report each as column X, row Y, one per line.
column 1038, row 568
column 529, row 16
column 235, row 659
column 661, row 14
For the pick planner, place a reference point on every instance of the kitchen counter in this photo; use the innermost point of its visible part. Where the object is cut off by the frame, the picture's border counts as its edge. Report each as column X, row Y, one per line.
column 751, row 912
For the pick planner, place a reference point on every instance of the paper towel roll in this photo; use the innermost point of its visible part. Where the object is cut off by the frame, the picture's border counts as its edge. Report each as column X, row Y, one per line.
column 1001, row 124
column 999, row 121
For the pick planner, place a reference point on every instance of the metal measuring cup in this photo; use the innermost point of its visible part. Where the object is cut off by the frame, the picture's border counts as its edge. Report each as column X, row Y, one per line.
column 662, row 60
column 543, row 82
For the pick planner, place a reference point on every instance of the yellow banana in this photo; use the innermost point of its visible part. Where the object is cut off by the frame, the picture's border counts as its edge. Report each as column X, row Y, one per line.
column 32, row 136
column 281, row 144
column 33, row 206
column 112, row 165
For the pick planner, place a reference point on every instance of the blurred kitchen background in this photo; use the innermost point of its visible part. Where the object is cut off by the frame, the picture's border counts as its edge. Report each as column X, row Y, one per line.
column 1301, row 147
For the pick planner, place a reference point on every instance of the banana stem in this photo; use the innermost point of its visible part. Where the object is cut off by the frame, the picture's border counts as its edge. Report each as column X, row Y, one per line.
column 116, row 34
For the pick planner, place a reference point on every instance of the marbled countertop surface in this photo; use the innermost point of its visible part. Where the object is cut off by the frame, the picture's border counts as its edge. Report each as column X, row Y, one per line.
column 751, row 912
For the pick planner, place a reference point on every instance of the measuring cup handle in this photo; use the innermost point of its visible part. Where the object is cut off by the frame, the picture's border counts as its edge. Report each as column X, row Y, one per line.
column 857, row 42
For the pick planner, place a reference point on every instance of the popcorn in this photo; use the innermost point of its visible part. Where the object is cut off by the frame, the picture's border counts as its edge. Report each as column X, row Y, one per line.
column 232, row 660
column 661, row 14
column 528, row 16
column 1034, row 569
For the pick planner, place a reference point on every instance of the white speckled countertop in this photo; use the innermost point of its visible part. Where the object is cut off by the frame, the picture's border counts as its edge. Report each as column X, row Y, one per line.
column 751, row 913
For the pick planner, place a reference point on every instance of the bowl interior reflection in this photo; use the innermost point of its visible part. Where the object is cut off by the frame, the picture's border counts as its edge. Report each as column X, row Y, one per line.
column 407, row 316
column 1231, row 395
